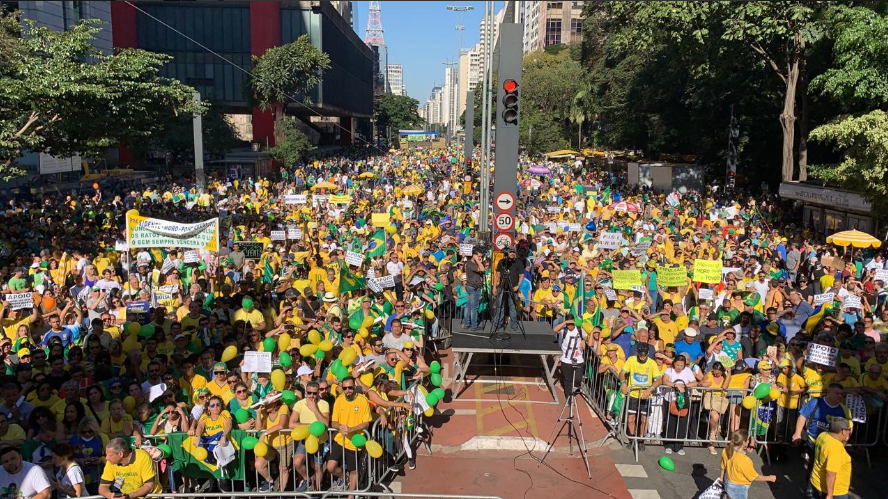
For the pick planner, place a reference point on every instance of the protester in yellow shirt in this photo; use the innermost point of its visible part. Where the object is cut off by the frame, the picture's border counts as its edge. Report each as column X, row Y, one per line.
column 831, row 470
column 737, row 471
column 351, row 415
column 128, row 473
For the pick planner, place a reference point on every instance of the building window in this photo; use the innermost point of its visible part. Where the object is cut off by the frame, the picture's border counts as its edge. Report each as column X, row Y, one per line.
column 553, row 5
column 553, row 32
column 576, row 25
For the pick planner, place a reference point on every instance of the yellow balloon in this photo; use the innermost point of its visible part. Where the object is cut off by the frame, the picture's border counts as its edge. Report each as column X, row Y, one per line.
column 775, row 393
column 314, row 337
column 429, row 412
column 299, row 433
column 374, row 449
column 348, row 356
column 367, row 322
column 284, row 342
column 429, row 314
column 229, row 353
column 129, row 404
column 367, row 379
column 748, row 402
column 363, row 332
column 311, row 444
column 278, row 379
column 391, row 229
column 326, row 346
column 587, row 327
column 261, row 449
column 307, row 350
column 200, row 453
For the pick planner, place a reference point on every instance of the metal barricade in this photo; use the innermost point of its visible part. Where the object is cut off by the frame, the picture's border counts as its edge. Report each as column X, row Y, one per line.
column 310, row 495
column 599, row 389
column 707, row 416
column 398, row 437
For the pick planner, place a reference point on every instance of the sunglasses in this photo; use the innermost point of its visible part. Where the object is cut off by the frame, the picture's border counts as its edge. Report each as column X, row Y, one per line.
column 240, row 391
column 117, row 387
column 215, row 404
column 352, row 387
column 311, row 393
column 219, row 373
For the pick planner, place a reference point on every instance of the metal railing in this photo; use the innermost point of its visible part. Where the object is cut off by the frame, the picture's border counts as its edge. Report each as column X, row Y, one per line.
column 308, row 495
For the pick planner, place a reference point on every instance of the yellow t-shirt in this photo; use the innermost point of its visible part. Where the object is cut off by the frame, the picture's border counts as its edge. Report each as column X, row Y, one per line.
column 306, row 416
column 10, row 326
column 281, row 437
column 14, row 432
column 196, row 384
column 110, row 427
column 853, row 363
column 830, row 455
column 350, row 413
column 814, row 381
column 223, row 391
column 254, row 317
column 872, row 361
column 795, row 382
column 738, row 468
column 189, row 324
column 129, row 478
column 849, row 382
column 668, row 332
column 214, row 426
column 640, row 375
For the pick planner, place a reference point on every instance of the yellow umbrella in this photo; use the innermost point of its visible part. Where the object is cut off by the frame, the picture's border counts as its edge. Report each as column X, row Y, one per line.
column 325, row 185
column 854, row 238
column 366, row 175
column 413, row 190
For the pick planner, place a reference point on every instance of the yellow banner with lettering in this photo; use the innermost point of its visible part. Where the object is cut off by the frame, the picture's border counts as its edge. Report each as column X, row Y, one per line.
column 672, row 276
column 339, row 199
column 707, row 271
column 625, row 279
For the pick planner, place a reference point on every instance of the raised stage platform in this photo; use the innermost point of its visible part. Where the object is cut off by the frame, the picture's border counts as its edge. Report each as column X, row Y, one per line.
column 539, row 340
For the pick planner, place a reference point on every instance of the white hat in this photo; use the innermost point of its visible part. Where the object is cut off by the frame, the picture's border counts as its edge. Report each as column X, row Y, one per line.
column 303, row 370
column 689, row 331
column 329, row 297
column 35, row 265
column 40, row 288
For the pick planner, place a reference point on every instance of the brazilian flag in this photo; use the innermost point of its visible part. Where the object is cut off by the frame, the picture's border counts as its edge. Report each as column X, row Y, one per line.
column 184, row 460
column 349, row 282
column 377, row 244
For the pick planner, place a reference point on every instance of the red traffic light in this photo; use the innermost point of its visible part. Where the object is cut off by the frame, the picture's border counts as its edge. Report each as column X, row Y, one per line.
column 510, row 86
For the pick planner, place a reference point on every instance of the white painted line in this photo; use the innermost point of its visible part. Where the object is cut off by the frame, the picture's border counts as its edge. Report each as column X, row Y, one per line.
column 644, row 494
column 464, row 412
column 632, row 470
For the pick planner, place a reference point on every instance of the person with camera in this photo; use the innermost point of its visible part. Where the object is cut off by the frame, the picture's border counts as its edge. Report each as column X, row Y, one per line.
column 475, row 269
column 510, row 273
column 574, row 341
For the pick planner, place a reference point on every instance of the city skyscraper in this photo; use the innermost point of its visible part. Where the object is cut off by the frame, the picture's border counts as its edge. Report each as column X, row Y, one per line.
column 552, row 23
column 396, row 79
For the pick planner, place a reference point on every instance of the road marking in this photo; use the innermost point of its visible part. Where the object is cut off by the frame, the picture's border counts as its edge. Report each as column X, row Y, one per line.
column 644, row 494
column 464, row 412
column 631, row 470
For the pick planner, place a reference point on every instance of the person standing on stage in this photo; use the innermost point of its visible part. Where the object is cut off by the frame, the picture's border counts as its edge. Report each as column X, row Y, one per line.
column 510, row 273
column 573, row 346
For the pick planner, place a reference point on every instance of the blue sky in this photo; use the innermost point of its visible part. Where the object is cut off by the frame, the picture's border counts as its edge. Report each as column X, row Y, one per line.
column 422, row 36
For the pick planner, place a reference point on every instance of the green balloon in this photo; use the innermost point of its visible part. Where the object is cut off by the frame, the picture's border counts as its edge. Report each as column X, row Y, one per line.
column 439, row 392
column 319, row 354
column 247, row 303
column 336, row 365
column 146, row 331
column 436, row 379
column 269, row 344
column 354, row 322
column 667, row 464
column 242, row 415
column 359, row 440
column 249, row 442
column 317, row 428
column 341, row 373
column 431, row 399
column 435, row 366
column 439, row 286
column 285, row 359
column 166, row 449
column 288, row 397
column 761, row 391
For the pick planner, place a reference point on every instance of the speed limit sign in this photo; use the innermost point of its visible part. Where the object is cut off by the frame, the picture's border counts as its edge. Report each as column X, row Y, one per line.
column 505, row 222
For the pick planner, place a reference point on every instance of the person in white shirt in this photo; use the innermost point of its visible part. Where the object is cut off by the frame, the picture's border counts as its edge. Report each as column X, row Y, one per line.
column 573, row 346
column 21, row 479
column 69, row 480
column 762, row 286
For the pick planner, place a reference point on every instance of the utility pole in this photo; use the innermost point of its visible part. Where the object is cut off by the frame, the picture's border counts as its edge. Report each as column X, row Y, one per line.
column 486, row 132
column 199, row 175
column 453, row 118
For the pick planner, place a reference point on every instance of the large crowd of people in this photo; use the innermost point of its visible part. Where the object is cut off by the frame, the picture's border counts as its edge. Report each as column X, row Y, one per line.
column 342, row 270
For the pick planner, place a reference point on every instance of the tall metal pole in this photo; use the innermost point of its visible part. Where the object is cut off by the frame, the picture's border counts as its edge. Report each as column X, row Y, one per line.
column 199, row 176
column 453, row 117
column 486, row 132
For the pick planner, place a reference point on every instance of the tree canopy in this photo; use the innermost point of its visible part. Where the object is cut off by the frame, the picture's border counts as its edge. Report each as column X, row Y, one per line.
column 286, row 72
column 396, row 111
column 292, row 143
column 52, row 101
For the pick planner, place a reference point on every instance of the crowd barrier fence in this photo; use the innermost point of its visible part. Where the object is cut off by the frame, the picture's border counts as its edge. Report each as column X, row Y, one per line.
column 310, row 495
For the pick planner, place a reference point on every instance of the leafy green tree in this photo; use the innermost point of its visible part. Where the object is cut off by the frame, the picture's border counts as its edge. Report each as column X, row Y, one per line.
column 52, row 101
column 287, row 72
column 550, row 80
column 292, row 144
column 858, row 81
column 396, row 112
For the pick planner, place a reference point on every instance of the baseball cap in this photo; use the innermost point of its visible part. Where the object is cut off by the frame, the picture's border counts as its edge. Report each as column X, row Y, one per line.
column 303, row 371
column 220, row 366
column 180, row 337
column 22, row 352
column 689, row 331
column 773, row 328
column 764, row 365
column 642, row 348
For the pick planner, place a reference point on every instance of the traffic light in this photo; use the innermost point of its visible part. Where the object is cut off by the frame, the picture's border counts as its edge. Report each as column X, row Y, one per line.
column 510, row 102
column 732, row 179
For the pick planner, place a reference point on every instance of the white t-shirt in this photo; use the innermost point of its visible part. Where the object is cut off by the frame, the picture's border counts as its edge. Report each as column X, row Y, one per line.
column 68, row 478
column 572, row 345
column 28, row 482
column 395, row 268
column 762, row 288
column 686, row 375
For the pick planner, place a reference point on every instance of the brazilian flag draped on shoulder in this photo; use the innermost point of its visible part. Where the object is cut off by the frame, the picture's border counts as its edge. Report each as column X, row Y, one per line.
column 189, row 465
column 377, row 244
column 349, row 282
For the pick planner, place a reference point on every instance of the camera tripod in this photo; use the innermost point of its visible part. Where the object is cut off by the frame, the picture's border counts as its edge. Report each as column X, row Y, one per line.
column 574, row 424
column 504, row 296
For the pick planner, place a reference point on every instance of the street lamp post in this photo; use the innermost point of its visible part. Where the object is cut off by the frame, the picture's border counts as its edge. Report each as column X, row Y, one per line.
column 453, row 118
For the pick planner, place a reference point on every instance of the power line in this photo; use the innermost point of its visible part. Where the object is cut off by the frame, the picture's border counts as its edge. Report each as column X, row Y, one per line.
column 245, row 71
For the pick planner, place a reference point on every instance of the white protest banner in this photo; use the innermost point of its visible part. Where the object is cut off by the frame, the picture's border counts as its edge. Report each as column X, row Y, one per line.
column 856, row 406
column 552, row 227
column 383, row 282
column 278, row 235
column 553, row 209
column 169, row 289
column 610, row 294
column 824, row 298
column 353, row 258
column 144, row 232
column 19, row 301
column 882, row 275
column 672, row 199
column 257, row 362
column 294, row 233
column 639, row 289
column 466, row 249
column 729, row 270
column 851, row 301
column 168, row 266
column 374, row 286
column 295, row 199
column 120, row 246
column 731, row 212
column 704, row 294
column 610, row 240
column 191, row 256
column 161, row 299
column 371, row 273
column 575, row 228
column 641, row 248
column 822, row 354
